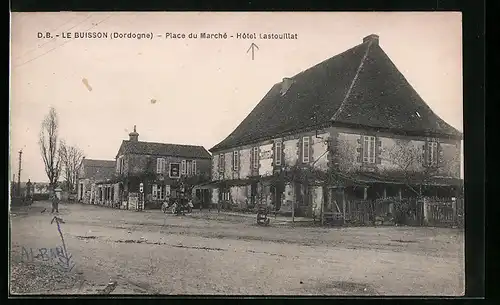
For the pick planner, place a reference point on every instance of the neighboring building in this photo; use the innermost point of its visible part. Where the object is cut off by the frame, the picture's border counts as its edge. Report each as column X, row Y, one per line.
column 91, row 173
column 161, row 167
column 354, row 117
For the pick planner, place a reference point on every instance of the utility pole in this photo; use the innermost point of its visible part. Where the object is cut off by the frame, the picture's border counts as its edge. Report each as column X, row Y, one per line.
column 13, row 186
column 19, row 174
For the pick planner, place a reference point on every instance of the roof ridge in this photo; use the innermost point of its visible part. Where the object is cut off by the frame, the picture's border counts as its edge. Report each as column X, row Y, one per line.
column 323, row 62
column 355, row 78
column 106, row 160
column 163, row 143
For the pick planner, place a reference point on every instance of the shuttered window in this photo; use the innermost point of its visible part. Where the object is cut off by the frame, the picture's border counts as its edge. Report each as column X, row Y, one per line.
column 432, row 152
column 255, row 157
column 158, row 192
column 277, row 152
column 369, row 149
column 160, row 165
column 221, row 162
column 305, row 149
column 183, row 167
column 194, row 167
column 235, row 160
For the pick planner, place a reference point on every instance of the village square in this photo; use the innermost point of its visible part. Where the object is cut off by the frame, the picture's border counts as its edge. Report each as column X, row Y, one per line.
column 340, row 180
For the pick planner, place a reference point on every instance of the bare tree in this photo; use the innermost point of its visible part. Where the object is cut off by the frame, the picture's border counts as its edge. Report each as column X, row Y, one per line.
column 48, row 142
column 71, row 158
column 409, row 162
column 345, row 156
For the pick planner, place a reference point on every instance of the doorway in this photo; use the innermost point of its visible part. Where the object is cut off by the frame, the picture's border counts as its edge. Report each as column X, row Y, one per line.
column 253, row 194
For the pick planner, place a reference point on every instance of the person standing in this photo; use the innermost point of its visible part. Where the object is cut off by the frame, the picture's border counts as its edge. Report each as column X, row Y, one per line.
column 55, row 202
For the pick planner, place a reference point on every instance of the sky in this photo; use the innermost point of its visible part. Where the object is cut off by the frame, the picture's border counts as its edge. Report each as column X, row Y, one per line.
column 196, row 91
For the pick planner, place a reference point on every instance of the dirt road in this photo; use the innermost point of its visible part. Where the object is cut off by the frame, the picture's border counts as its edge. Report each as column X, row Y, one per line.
column 150, row 253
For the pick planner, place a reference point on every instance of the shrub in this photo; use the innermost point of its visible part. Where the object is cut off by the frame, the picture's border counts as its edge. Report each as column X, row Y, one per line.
column 401, row 211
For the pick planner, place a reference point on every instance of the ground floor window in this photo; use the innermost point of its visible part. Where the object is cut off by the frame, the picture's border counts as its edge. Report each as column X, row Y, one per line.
column 224, row 195
column 158, row 191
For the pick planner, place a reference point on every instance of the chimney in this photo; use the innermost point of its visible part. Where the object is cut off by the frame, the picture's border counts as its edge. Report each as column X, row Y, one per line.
column 285, row 85
column 373, row 38
column 134, row 136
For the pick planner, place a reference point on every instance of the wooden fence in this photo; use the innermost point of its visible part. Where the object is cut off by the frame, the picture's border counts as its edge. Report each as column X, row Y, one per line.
column 392, row 211
column 441, row 212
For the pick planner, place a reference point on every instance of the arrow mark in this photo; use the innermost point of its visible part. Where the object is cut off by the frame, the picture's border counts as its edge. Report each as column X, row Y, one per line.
column 252, row 47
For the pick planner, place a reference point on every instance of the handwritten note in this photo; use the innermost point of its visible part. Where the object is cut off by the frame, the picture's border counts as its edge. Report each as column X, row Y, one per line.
column 55, row 256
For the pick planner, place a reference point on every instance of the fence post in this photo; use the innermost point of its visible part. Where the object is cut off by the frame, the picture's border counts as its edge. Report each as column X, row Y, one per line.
column 454, row 207
column 343, row 206
column 426, row 214
column 322, row 207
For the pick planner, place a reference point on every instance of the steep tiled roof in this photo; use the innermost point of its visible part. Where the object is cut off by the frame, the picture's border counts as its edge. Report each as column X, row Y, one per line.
column 98, row 169
column 360, row 86
column 164, row 149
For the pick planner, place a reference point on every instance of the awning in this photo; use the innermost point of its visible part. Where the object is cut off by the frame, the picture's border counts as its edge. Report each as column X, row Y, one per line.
column 371, row 178
column 205, row 186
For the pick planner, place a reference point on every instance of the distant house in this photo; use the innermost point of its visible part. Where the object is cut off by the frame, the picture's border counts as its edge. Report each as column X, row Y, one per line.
column 160, row 167
column 352, row 123
column 92, row 172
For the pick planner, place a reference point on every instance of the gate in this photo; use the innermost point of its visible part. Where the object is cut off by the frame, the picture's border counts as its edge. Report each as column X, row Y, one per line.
column 334, row 208
column 359, row 212
column 441, row 213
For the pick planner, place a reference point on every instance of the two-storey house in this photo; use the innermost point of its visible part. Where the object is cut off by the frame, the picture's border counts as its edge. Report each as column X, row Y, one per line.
column 353, row 117
column 91, row 172
column 162, row 168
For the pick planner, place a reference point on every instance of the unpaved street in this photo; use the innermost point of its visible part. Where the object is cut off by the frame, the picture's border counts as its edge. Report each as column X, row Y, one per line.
column 205, row 253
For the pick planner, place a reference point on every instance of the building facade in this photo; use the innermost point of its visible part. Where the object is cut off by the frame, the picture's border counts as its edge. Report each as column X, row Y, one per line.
column 162, row 168
column 91, row 173
column 349, row 126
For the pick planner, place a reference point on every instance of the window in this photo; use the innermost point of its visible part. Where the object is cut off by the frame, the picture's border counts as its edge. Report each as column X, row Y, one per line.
column 305, row 149
column 120, row 165
column 158, row 192
column 160, row 165
column 188, row 167
column 174, row 171
column 255, row 157
column 154, row 192
column 235, row 160
column 183, row 167
column 277, row 153
column 221, row 162
column 369, row 149
column 432, row 152
column 161, row 192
